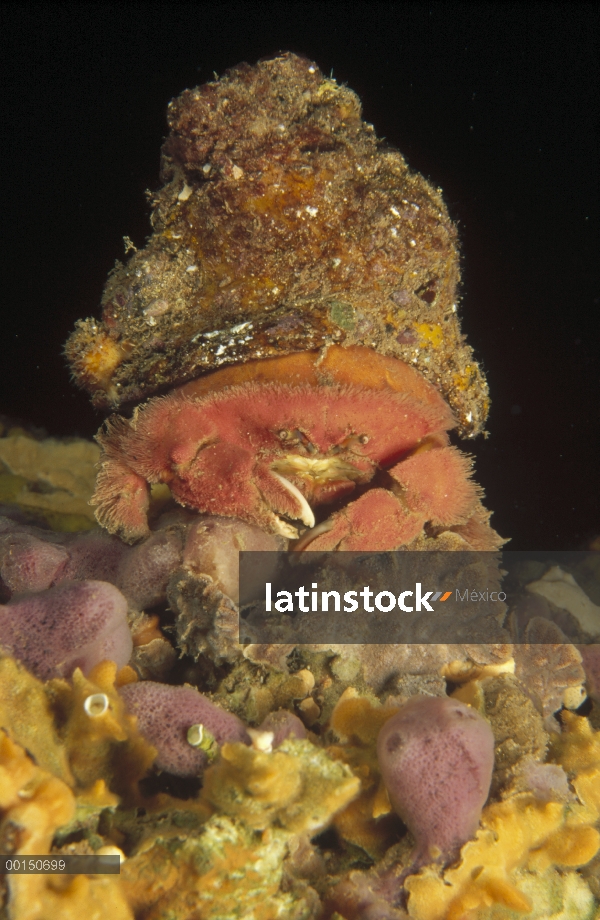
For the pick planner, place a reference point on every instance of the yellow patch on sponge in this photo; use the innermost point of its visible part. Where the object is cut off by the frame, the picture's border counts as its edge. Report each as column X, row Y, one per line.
column 577, row 750
column 298, row 786
column 100, row 736
column 78, row 729
column 430, row 334
column 366, row 821
column 34, row 804
column 26, row 716
column 97, row 358
column 511, row 830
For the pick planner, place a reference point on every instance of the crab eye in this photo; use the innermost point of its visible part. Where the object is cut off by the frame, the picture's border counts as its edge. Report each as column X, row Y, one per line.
column 284, row 434
column 363, row 439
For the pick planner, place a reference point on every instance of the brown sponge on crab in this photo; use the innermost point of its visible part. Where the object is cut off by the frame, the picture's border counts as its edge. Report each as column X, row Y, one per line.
column 284, row 225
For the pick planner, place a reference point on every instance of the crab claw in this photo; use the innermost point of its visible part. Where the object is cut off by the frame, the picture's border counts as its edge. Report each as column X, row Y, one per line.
column 438, row 484
column 274, row 496
column 434, row 486
column 306, row 513
column 376, row 522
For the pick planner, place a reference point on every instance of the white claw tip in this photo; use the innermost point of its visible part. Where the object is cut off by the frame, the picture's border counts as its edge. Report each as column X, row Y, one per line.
column 306, row 513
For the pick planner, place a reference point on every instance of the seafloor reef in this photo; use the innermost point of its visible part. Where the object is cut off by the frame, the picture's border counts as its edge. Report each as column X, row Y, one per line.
column 262, row 782
column 295, row 306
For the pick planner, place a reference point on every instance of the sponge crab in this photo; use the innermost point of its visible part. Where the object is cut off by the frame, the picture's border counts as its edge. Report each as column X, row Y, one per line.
column 277, row 441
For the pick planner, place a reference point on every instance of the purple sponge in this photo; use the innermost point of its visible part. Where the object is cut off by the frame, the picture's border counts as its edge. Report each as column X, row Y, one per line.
column 436, row 757
column 165, row 714
column 76, row 624
column 94, row 555
column 284, row 725
column 28, row 563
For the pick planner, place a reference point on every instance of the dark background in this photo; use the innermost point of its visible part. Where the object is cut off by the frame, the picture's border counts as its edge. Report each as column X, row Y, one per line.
column 497, row 104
